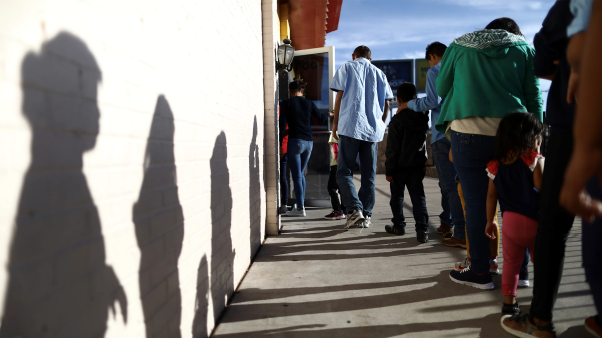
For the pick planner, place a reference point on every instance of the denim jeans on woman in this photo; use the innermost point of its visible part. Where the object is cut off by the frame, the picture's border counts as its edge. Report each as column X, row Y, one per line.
column 349, row 148
column 298, row 154
column 452, row 214
column 471, row 154
column 283, row 180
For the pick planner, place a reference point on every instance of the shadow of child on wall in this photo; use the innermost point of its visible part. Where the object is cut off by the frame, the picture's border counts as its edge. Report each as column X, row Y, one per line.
column 254, row 192
column 222, row 255
column 159, row 223
column 59, row 284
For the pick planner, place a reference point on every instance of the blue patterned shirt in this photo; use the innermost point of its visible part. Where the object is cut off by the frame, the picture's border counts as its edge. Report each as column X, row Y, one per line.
column 365, row 91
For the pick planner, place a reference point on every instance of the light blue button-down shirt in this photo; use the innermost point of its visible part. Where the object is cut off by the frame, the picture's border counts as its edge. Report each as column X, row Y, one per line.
column 366, row 89
column 431, row 102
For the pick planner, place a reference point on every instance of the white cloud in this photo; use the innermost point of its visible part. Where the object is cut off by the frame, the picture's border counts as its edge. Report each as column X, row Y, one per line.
column 514, row 5
column 371, row 33
column 417, row 54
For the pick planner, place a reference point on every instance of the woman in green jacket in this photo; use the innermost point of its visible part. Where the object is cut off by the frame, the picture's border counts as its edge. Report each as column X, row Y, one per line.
column 484, row 76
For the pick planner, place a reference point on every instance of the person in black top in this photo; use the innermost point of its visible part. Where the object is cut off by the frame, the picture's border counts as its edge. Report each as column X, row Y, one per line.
column 297, row 112
column 406, row 164
column 555, row 222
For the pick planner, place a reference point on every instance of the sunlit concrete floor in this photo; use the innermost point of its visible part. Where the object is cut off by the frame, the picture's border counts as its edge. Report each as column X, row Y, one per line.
column 317, row 280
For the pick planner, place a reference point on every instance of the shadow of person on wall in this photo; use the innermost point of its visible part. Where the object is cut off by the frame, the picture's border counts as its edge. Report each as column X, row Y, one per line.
column 199, row 324
column 159, row 223
column 254, row 192
column 59, row 284
column 222, row 255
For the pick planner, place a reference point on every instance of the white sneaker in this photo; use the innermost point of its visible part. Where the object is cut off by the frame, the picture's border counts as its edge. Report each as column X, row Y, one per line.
column 354, row 219
column 296, row 212
column 523, row 283
column 367, row 223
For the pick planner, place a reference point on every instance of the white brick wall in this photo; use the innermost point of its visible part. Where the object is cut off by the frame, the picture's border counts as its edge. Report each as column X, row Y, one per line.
column 132, row 162
column 271, row 36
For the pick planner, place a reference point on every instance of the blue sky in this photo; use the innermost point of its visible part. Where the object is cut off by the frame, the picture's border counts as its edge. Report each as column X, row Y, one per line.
column 401, row 29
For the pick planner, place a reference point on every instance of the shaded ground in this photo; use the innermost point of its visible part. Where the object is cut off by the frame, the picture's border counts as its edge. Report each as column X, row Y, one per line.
column 317, row 280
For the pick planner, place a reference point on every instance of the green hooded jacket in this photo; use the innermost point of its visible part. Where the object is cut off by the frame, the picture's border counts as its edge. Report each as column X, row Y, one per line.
column 488, row 73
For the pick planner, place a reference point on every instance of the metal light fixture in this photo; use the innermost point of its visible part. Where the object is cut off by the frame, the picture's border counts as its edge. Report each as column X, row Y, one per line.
column 286, row 53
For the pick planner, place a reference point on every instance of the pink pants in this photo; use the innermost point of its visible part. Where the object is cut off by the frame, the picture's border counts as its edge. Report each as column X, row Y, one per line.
column 518, row 233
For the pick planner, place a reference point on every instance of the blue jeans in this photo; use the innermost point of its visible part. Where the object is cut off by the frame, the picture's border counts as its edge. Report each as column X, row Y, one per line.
column 298, row 154
column 283, row 180
column 412, row 179
column 471, row 154
column 452, row 214
column 349, row 148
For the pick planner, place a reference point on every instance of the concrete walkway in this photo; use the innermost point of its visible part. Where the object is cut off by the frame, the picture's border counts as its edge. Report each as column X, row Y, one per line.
column 317, row 280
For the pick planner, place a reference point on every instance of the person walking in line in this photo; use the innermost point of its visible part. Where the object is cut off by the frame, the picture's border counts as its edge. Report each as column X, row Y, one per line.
column 406, row 164
column 584, row 171
column 297, row 112
column 555, row 51
column 515, row 177
column 361, row 107
column 483, row 76
column 452, row 216
column 338, row 209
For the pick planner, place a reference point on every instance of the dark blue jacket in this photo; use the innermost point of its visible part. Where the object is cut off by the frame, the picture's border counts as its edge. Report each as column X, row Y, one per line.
column 406, row 143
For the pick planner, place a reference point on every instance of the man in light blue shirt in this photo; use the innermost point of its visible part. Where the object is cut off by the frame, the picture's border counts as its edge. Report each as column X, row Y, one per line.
column 452, row 215
column 361, row 107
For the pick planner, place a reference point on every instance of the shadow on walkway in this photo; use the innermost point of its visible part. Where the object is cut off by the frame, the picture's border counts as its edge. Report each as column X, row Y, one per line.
column 486, row 325
column 244, row 312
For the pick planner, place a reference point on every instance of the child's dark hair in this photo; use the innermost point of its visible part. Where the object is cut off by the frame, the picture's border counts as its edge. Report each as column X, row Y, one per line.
column 436, row 48
column 406, row 91
column 517, row 134
column 296, row 85
column 506, row 24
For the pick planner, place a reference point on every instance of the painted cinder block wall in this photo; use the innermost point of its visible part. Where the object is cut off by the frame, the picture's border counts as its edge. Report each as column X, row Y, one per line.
column 131, row 163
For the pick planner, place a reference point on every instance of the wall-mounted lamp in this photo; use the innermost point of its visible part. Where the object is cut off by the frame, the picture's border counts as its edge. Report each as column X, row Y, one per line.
column 286, row 53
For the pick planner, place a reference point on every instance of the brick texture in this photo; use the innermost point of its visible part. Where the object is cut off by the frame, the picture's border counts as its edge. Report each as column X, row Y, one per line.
column 135, row 139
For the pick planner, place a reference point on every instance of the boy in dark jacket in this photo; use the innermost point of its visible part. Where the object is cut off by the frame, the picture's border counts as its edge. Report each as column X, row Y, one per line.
column 406, row 164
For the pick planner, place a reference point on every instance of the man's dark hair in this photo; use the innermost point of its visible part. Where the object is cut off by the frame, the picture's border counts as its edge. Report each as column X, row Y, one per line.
column 436, row 48
column 506, row 24
column 406, row 91
column 296, row 86
column 362, row 52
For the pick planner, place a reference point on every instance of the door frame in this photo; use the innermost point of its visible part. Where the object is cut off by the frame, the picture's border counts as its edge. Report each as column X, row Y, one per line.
column 330, row 51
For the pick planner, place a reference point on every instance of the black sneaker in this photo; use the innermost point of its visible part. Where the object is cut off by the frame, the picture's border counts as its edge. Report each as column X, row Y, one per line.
column 510, row 309
column 523, row 278
column 422, row 237
column 395, row 229
column 469, row 277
